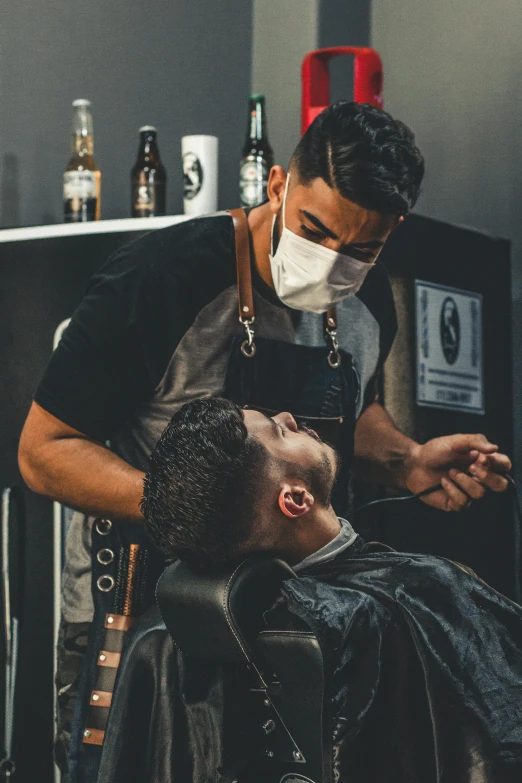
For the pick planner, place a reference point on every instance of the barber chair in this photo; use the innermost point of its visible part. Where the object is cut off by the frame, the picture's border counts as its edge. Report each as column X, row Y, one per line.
column 278, row 725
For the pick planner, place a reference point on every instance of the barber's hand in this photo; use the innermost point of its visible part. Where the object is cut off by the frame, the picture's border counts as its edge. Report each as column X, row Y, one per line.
column 465, row 465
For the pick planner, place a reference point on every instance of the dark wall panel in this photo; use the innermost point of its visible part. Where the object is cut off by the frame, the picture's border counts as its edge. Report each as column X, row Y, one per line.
column 42, row 283
column 487, row 535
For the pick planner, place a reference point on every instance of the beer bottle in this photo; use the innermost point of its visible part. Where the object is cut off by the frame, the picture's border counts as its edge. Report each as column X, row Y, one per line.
column 257, row 158
column 148, row 177
column 82, row 179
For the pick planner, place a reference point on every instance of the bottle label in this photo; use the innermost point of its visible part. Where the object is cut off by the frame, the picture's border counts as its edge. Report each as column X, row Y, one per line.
column 79, row 185
column 253, row 180
column 144, row 199
column 255, row 125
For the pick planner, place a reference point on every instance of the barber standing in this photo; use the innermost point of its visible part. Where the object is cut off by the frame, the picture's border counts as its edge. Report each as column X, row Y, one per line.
column 159, row 326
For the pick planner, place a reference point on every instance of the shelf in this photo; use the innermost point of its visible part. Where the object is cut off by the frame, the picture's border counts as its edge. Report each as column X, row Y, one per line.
column 94, row 227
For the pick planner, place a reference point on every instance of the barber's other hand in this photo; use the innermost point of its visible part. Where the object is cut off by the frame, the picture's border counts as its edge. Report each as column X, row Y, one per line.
column 465, row 465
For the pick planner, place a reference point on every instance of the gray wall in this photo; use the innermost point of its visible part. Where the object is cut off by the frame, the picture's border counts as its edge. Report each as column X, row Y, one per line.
column 452, row 71
column 183, row 65
column 283, row 32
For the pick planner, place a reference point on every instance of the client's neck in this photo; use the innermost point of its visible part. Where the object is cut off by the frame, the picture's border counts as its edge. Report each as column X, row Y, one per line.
column 310, row 533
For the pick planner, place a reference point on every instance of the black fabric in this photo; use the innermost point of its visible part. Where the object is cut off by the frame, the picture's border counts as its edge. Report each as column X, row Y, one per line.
column 428, row 665
column 425, row 681
column 136, row 310
column 297, row 378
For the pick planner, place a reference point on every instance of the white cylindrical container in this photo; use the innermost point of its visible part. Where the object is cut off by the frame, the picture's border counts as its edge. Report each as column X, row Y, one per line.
column 200, row 174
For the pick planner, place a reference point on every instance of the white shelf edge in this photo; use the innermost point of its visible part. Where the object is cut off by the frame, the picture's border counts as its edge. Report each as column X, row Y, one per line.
column 94, row 227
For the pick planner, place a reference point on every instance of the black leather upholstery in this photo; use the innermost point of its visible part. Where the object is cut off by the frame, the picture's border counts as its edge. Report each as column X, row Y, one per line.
column 215, row 615
column 219, row 616
column 297, row 658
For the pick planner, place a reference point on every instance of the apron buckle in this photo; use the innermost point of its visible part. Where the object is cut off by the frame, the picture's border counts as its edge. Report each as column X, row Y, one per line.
column 248, row 347
column 334, row 357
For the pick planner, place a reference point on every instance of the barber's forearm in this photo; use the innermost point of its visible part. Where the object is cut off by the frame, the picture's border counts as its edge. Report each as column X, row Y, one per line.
column 382, row 452
column 88, row 477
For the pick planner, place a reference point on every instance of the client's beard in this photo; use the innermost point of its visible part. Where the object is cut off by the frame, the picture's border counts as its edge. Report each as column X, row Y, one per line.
column 322, row 476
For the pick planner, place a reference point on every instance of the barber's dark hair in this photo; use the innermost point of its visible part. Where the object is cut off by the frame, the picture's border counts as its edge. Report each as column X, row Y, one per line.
column 200, row 490
column 364, row 154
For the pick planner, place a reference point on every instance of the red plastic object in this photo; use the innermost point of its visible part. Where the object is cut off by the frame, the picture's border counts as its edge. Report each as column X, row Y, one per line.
column 315, row 78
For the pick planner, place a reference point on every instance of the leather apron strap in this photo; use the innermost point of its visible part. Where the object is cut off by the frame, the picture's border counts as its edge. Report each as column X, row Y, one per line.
column 244, row 271
column 330, row 318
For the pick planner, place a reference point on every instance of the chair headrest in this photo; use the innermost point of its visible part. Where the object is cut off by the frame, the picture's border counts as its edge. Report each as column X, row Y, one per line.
column 214, row 615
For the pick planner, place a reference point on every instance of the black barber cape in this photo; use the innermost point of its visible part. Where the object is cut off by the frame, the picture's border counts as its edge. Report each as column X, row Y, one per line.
column 426, row 687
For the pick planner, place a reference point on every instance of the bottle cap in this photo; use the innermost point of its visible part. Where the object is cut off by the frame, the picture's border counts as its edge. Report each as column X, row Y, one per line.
column 145, row 128
column 81, row 102
column 256, row 96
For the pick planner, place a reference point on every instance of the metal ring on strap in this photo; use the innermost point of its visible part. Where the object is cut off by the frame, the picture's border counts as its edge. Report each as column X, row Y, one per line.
column 248, row 349
column 7, row 767
column 334, row 359
column 105, row 556
column 103, row 526
column 105, row 583
column 248, row 346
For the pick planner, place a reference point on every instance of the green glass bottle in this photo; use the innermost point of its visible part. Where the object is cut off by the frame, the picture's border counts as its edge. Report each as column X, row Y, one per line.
column 257, row 157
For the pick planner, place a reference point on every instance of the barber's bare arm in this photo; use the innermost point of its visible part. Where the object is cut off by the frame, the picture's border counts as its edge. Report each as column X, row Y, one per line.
column 465, row 465
column 61, row 463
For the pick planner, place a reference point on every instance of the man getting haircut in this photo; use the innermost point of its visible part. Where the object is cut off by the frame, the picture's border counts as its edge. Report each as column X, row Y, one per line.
column 426, row 659
column 219, row 467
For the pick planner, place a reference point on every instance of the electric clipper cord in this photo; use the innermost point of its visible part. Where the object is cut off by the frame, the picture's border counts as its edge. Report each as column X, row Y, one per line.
column 517, row 523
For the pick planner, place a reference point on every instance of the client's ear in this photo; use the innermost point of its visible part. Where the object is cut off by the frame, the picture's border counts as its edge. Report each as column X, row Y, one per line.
column 295, row 500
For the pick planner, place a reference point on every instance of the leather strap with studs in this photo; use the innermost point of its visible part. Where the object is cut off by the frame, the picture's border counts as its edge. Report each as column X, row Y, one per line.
column 106, row 670
column 108, row 660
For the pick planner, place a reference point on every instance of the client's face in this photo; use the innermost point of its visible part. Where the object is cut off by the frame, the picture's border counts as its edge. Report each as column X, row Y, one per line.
column 299, row 449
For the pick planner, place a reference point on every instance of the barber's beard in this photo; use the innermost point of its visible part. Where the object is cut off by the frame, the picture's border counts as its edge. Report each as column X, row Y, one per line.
column 277, row 231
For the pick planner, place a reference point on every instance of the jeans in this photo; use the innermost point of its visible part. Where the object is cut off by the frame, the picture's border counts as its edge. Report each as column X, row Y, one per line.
column 72, row 646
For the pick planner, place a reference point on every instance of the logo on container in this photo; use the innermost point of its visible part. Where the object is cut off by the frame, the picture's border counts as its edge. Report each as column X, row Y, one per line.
column 192, row 175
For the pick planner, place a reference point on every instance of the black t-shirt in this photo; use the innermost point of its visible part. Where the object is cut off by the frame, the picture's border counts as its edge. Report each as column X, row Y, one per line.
column 165, row 304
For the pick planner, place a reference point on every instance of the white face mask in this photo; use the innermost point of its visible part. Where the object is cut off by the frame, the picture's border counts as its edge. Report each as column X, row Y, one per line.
column 312, row 277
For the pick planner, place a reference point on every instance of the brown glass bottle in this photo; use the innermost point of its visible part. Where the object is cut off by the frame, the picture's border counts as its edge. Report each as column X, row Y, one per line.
column 82, row 178
column 148, row 177
column 257, row 158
